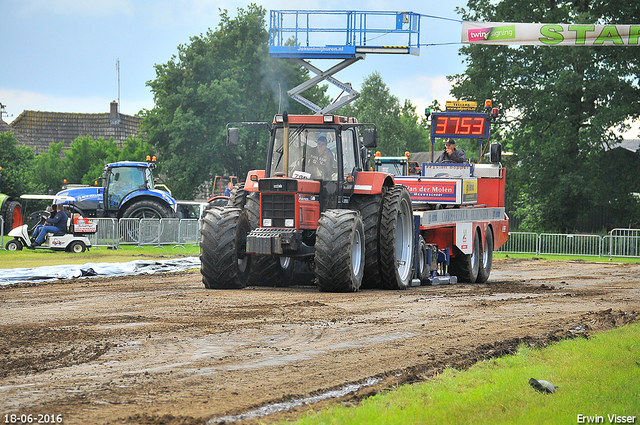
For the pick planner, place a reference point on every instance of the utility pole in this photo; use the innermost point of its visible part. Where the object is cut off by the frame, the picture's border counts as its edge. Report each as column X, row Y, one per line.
column 118, row 71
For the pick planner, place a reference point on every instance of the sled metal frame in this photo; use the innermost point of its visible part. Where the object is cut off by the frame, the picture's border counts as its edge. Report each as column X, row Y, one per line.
column 296, row 28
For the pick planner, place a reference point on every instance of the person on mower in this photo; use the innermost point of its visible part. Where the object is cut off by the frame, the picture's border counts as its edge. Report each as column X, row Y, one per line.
column 320, row 160
column 451, row 154
column 56, row 223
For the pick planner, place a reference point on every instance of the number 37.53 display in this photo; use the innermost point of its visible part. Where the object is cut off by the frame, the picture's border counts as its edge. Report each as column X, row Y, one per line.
column 460, row 125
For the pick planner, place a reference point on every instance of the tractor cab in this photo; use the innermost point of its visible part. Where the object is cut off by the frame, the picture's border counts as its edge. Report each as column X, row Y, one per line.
column 321, row 161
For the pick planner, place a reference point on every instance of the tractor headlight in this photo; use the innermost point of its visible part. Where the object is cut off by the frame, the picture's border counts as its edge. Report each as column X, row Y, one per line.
column 267, row 222
column 289, row 222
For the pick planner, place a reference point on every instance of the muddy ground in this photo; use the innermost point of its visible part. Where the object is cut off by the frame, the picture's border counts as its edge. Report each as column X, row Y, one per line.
column 163, row 349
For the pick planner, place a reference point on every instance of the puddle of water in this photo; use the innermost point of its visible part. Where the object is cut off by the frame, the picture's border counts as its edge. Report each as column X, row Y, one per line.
column 286, row 405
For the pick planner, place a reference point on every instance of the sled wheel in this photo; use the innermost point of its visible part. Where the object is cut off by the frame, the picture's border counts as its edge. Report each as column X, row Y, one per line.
column 487, row 258
column 467, row 266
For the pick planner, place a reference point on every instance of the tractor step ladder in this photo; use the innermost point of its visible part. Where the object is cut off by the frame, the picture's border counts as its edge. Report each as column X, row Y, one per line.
column 290, row 33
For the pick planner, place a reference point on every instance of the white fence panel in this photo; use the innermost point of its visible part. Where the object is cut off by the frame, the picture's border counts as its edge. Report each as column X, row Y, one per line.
column 107, row 232
column 623, row 243
column 189, row 232
column 521, row 243
column 565, row 244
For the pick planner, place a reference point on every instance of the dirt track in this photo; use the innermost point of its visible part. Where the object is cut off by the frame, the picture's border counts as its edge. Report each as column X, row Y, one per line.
column 162, row 349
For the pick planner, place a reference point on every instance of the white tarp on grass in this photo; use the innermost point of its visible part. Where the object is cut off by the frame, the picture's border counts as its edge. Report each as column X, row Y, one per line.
column 38, row 274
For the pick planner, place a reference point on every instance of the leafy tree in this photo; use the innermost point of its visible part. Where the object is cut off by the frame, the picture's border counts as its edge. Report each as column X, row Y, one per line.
column 135, row 149
column 223, row 76
column 399, row 128
column 562, row 104
column 49, row 169
column 85, row 160
column 16, row 161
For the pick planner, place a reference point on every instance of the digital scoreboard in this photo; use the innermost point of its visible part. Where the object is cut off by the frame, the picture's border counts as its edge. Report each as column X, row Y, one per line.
column 457, row 125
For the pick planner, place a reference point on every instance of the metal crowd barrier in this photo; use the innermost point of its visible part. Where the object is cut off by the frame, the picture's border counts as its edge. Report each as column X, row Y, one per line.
column 623, row 243
column 618, row 243
column 111, row 232
column 521, row 243
column 567, row 244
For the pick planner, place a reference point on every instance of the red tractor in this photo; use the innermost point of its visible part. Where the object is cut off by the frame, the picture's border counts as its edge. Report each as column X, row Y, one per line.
column 315, row 204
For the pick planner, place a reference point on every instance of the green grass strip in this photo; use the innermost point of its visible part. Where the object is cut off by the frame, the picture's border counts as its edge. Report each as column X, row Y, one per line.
column 596, row 378
column 28, row 258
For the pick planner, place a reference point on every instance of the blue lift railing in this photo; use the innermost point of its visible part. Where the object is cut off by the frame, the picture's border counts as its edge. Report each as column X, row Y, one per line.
column 355, row 33
column 351, row 35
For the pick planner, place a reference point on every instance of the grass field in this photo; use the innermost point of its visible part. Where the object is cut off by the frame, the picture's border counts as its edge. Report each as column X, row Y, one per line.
column 598, row 381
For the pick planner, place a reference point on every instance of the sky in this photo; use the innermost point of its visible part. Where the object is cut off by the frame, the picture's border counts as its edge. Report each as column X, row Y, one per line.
column 60, row 55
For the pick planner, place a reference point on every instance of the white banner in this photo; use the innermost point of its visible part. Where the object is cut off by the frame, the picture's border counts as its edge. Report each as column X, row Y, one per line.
column 550, row 34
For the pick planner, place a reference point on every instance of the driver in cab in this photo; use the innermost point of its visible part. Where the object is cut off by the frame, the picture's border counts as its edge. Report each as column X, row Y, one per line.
column 451, row 154
column 320, row 160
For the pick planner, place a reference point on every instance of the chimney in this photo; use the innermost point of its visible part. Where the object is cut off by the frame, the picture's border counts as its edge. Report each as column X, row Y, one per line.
column 114, row 117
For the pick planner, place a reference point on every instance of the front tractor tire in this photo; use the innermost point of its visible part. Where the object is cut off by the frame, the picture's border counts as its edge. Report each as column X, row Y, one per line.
column 224, row 262
column 340, row 250
column 396, row 242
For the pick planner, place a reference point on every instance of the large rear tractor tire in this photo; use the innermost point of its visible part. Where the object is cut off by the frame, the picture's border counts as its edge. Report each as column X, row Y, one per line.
column 369, row 207
column 224, row 262
column 340, row 251
column 396, row 239
column 467, row 266
column 486, row 258
column 238, row 196
column 148, row 209
column 12, row 215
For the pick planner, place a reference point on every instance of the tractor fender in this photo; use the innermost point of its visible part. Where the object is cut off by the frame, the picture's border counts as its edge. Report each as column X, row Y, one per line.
column 372, row 182
column 160, row 195
column 252, row 185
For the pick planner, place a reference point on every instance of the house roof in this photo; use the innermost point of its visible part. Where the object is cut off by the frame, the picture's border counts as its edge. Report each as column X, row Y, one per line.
column 4, row 128
column 42, row 128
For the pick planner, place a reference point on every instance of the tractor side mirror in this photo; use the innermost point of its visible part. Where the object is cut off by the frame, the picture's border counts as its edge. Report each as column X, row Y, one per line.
column 370, row 138
column 233, row 136
column 496, row 152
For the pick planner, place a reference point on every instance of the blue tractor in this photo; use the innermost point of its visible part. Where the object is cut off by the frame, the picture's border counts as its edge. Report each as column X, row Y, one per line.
column 127, row 192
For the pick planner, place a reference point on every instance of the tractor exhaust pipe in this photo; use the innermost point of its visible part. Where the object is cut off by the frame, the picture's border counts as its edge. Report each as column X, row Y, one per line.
column 285, row 147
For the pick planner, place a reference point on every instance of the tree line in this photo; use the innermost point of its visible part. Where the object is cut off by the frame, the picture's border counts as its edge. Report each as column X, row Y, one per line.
column 560, row 103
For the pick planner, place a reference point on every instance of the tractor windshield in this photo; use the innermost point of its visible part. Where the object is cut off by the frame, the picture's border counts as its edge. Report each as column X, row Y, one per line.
column 312, row 153
column 124, row 180
column 395, row 168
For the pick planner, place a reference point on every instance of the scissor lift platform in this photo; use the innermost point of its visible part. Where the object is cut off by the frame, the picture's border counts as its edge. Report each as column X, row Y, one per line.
column 293, row 34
